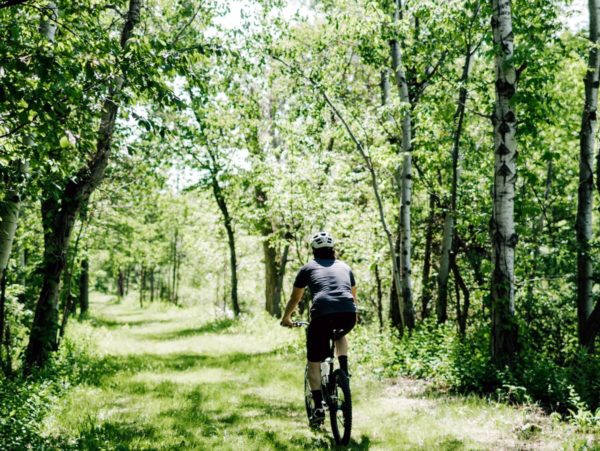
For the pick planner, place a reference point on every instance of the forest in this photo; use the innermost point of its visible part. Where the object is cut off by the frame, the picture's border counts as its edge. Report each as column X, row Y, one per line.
column 165, row 163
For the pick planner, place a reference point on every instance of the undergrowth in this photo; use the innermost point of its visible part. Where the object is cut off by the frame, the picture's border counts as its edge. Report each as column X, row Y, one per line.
column 463, row 365
column 26, row 401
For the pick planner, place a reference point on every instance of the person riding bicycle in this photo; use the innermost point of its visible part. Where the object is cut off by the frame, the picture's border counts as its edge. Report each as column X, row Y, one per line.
column 333, row 290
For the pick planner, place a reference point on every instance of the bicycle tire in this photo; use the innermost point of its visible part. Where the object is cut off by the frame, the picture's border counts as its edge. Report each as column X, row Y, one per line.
column 308, row 401
column 340, row 411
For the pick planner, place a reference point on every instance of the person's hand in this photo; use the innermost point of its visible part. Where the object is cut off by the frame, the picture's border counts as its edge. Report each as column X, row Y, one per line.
column 286, row 321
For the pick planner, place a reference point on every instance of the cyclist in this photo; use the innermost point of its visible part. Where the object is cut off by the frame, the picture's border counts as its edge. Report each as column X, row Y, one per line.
column 333, row 290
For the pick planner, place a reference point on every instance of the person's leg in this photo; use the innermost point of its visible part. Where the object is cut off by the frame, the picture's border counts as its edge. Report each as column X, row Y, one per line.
column 341, row 348
column 345, row 321
column 316, row 350
column 314, row 375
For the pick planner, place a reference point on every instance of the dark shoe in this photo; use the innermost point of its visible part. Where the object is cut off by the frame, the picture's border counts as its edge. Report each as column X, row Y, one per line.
column 317, row 418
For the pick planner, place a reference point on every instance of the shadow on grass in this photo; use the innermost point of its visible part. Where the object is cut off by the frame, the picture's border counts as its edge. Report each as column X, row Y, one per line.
column 99, row 370
column 117, row 435
column 258, row 408
column 220, row 325
column 113, row 324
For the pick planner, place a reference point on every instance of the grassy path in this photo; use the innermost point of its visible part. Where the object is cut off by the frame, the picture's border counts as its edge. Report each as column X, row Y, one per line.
column 171, row 378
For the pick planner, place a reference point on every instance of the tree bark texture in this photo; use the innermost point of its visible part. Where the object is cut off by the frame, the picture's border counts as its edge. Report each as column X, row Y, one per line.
column 502, row 226
column 270, row 256
column 396, row 301
column 379, row 297
column 426, row 294
column 448, row 245
column 405, row 182
column 9, row 215
column 587, row 141
column 84, row 287
column 58, row 219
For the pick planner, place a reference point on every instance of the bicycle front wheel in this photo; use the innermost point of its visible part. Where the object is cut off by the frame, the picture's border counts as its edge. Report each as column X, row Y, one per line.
column 340, row 412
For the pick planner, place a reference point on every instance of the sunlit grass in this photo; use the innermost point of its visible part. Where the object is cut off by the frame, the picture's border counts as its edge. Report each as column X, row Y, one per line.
column 180, row 378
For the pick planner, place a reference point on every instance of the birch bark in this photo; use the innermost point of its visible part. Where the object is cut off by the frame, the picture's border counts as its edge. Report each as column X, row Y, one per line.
column 405, row 181
column 587, row 140
column 449, row 220
column 502, row 226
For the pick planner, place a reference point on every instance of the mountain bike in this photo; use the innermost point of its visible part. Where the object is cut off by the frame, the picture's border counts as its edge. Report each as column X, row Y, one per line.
column 337, row 399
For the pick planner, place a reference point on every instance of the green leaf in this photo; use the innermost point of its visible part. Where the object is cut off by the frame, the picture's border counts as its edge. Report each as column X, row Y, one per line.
column 64, row 142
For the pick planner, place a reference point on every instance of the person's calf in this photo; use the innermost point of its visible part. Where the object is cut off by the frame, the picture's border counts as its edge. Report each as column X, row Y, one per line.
column 343, row 360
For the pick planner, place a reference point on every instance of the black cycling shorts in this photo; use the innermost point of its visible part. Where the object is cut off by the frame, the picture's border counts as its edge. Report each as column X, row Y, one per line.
column 320, row 331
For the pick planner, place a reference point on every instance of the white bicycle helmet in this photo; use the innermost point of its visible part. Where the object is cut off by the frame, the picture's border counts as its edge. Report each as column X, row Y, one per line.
column 321, row 239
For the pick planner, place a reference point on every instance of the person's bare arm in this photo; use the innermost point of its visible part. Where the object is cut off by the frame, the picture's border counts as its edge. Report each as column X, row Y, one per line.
column 295, row 299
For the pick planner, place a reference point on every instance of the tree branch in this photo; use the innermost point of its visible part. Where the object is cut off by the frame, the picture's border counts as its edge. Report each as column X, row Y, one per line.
column 9, row 3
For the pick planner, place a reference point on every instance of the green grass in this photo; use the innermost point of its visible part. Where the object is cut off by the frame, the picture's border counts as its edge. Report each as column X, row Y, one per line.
column 177, row 378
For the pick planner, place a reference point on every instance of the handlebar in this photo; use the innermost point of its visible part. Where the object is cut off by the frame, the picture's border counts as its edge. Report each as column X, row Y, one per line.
column 300, row 324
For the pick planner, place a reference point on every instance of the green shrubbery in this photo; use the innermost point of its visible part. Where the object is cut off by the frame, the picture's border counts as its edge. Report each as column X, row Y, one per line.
column 25, row 402
column 438, row 353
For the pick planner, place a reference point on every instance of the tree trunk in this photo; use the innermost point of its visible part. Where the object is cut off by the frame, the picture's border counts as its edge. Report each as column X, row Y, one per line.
column 426, row 294
column 69, row 299
column 379, row 297
column 127, row 276
column 174, row 267
column 151, row 277
column 59, row 217
column 121, row 284
column 270, row 256
column 448, row 245
column 504, row 238
column 84, row 287
column 395, row 299
column 9, row 215
column 276, row 303
column 142, row 285
column 584, row 224
column 405, row 182
column 221, row 202
column 461, row 315
column 2, row 316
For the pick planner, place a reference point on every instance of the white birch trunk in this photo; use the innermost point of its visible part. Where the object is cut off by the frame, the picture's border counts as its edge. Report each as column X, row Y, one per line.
column 449, row 220
column 407, row 308
column 504, row 238
column 9, row 214
column 586, row 181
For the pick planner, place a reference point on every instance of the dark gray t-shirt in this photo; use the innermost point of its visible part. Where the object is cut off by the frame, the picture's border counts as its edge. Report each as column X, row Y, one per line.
column 330, row 283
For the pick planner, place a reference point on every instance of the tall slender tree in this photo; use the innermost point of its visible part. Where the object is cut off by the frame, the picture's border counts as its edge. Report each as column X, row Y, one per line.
column 502, row 225
column 404, row 178
column 588, row 317
column 448, row 239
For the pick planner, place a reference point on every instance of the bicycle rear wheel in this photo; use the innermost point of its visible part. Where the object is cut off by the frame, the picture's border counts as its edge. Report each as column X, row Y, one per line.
column 340, row 410
column 308, row 399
